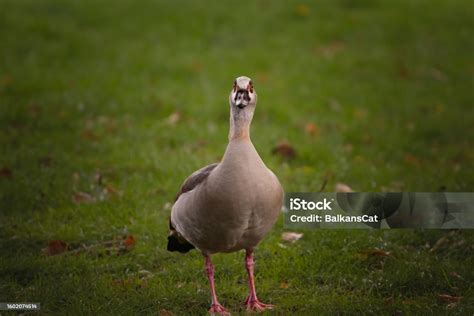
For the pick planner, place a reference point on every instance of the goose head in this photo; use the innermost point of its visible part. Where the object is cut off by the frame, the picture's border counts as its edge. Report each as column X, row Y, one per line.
column 243, row 96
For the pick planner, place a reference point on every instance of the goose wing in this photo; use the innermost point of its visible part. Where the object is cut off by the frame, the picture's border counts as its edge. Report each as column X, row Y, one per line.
column 176, row 242
column 195, row 179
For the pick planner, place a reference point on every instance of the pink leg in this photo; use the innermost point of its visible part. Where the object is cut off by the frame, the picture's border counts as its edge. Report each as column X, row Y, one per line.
column 216, row 308
column 252, row 302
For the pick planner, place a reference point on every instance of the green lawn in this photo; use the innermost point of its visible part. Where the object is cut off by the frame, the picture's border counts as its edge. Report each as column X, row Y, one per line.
column 106, row 107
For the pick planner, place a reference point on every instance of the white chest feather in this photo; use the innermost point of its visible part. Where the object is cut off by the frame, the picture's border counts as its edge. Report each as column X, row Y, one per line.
column 235, row 207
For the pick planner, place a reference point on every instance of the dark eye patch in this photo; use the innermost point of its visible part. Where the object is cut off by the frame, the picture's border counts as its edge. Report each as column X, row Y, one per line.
column 245, row 94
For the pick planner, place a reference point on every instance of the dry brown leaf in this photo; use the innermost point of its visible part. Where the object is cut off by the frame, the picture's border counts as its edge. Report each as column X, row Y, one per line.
column 197, row 66
column 55, row 247
column 311, row 129
column 412, row 160
column 348, row 148
column 164, row 312
column 6, row 173
column 88, row 134
column 83, row 197
column 284, row 285
column 123, row 282
column 129, row 242
column 389, row 301
column 439, row 244
column 439, row 108
column 291, row 236
column 342, row 187
column 302, row 10
column 6, row 80
column 403, row 71
column 285, row 150
column 174, row 118
column 452, row 305
column 455, row 274
column 438, row 74
column 372, row 253
column 111, row 191
column 449, row 298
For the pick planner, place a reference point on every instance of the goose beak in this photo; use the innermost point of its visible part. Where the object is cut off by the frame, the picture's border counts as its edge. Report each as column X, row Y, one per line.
column 242, row 98
column 241, row 103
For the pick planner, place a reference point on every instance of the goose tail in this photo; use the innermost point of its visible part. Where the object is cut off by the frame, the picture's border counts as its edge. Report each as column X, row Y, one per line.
column 176, row 242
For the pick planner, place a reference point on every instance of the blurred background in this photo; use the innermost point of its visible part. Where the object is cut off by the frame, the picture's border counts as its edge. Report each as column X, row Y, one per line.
column 106, row 107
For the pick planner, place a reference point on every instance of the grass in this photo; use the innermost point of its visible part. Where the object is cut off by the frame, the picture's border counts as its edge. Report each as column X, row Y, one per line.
column 136, row 94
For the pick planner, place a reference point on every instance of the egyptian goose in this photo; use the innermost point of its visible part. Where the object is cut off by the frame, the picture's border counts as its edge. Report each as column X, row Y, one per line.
column 231, row 205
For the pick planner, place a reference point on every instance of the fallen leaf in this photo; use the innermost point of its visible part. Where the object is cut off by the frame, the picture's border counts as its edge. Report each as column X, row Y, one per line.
column 88, row 134
column 449, row 298
column 438, row 74
column 291, row 236
column 403, row 71
column 110, row 190
column 412, row 160
column 302, row 10
column 164, row 312
column 285, row 150
column 389, row 301
column 123, row 282
column 455, row 274
column 452, row 305
column 311, row 129
column 83, row 197
column 129, row 242
column 76, row 177
column 55, row 247
column 360, row 113
column 6, row 80
column 284, row 285
column 174, row 118
column 410, row 126
column 197, row 66
column 439, row 244
column 6, row 172
column 348, row 148
column 342, row 187
column 439, row 108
